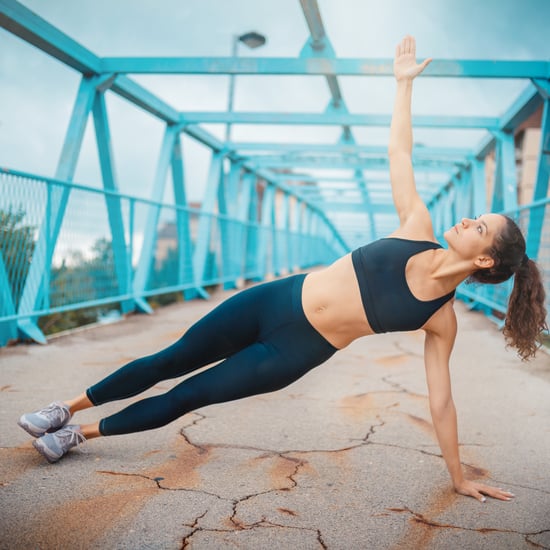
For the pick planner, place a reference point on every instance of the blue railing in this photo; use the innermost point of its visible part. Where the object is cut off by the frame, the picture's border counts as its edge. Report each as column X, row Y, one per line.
column 534, row 220
column 90, row 266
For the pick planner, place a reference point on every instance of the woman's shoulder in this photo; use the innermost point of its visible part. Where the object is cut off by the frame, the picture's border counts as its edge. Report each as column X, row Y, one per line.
column 413, row 235
column 443, row 322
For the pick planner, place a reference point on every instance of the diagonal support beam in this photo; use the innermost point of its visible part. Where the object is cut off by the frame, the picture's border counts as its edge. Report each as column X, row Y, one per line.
column 143, row 270
column 34, row 290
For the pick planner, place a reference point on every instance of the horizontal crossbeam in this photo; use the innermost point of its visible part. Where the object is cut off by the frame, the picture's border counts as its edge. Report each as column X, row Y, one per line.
column 345, row 148
column 339, row 119
column 324, row 66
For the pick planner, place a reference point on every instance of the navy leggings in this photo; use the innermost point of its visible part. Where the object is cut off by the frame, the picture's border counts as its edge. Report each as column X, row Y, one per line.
column 263, row 338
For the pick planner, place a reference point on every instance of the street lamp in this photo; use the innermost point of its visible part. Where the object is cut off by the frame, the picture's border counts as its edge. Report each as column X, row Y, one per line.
column 253, row 40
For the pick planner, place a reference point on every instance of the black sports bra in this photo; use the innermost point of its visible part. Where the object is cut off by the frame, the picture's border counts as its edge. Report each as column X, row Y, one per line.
column 389, row 304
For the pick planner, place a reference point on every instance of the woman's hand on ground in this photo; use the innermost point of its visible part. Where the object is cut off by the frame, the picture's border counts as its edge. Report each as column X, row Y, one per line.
column 479, row 490
column 405, row 66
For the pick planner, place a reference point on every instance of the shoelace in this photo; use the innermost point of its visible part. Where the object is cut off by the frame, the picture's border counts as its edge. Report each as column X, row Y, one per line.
column 54, row 412
column 75, row 439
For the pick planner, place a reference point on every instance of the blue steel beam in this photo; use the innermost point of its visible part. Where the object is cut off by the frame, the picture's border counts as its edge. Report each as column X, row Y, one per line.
column 348, row 148
column 33, row 291
column 536, row 218
column 143, row 269
column 320, row 66
column 200, row 255
column 505, row 181
column 268, row 206
column 25, row 24
column 351, row 160
column 479, row 194
column 342, row 164
column 335, row 118
column 523, row 107
column 319, row 45
column 183, row 223
column 8, row 329
column 355, row 207
column 114, row 210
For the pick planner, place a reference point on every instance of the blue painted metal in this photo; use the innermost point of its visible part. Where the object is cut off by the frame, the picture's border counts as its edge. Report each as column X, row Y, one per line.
column 454, row 153
column 143, row 269
column 335, row 118
column 536, row 219
column 8, row 329
column 25, row 24
column 183, row 221
column 479, row 195
column 265, row 243
column 17, row 182
column 103, row 138
column 200, row 256
column 229, row 231
column 505, row 184
column 33, row 293
column 307, row 209
column 322, row 65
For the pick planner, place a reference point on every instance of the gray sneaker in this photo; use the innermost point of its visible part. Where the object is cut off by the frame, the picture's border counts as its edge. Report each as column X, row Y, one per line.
column 50, row 418
column 52, row 446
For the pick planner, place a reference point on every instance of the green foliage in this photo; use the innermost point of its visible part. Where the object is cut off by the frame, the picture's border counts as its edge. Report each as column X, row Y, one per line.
column 16, row 247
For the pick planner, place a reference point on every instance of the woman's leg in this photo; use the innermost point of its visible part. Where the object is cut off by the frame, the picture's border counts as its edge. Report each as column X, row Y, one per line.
column 230, row 327
column 258, row 369
column 288, row 347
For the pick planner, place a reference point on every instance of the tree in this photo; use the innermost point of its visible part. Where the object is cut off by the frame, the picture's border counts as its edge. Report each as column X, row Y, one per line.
column 16, row 248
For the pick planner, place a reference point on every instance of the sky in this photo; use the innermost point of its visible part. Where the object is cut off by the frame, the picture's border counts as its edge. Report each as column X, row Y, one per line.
column 37, row 92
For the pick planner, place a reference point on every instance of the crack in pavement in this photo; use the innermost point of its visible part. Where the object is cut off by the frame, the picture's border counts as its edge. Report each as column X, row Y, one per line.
column 402, row 349
column 238, row 524
column 420, row 518
column 400, row 388
column 263, row 523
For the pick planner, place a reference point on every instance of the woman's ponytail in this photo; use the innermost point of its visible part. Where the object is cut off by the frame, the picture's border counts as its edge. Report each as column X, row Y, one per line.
column 526, row 315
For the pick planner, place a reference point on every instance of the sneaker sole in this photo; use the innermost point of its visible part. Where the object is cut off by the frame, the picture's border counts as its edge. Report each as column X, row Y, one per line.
column 44, row 451
column 30, row 428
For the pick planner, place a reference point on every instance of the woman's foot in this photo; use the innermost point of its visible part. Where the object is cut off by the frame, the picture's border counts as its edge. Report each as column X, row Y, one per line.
column 50, row 418
column 53, row 446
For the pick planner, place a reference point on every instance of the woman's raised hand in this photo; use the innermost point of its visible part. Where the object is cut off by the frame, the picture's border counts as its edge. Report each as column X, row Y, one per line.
column 405, row 66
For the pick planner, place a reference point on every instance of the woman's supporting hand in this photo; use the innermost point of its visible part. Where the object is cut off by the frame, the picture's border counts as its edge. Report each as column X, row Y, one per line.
column 404, row 64
column 479, row 490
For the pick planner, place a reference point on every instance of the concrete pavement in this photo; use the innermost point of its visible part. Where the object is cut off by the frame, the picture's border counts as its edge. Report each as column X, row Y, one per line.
column 345, row 458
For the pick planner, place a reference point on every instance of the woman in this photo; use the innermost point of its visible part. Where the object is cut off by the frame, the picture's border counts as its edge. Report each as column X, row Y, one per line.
column 270, row 335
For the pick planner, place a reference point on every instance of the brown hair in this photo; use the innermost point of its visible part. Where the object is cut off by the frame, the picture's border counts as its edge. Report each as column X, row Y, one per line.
column 526, row 314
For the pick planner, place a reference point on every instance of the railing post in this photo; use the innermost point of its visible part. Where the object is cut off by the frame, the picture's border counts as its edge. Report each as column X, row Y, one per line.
column 202, row 247
column 227, row 205
column 265, row 248
column 8, row 329
column 183, row 226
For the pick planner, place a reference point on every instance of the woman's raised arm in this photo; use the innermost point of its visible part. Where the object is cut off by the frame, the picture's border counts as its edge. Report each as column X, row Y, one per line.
column 405, row 196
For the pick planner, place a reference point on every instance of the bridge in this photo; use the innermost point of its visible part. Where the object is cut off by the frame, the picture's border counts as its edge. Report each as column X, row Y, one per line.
column 142, row 165
column 267, row 206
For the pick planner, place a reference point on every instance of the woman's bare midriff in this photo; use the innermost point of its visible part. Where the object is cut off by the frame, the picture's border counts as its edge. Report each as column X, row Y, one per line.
column 332, row 303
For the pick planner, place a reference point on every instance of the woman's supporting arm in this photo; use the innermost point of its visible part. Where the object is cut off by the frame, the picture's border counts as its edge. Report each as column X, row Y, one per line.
column 437, row 351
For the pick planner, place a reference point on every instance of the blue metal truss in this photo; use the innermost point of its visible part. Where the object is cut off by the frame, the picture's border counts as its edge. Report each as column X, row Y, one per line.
column 263, row 214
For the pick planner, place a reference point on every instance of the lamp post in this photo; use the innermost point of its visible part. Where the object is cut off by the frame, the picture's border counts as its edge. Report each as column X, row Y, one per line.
column 253, row 40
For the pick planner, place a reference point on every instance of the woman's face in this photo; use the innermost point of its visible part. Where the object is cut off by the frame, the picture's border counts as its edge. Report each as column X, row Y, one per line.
column 471, row 238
